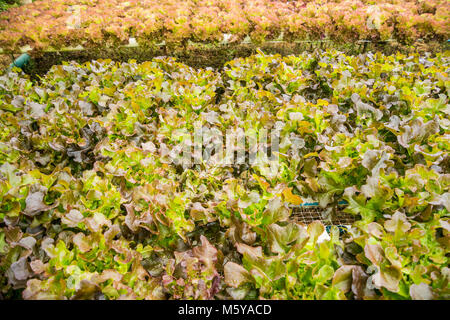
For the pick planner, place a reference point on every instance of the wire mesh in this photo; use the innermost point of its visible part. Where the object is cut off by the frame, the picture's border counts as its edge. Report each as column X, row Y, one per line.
column 308, row 214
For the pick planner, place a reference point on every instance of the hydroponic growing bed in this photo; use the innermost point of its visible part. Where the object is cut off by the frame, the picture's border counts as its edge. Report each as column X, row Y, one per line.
column 51, row 24
column 132, row 180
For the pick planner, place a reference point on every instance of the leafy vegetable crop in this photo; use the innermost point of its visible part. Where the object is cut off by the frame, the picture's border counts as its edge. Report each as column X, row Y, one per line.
column 91, row 209
column 46, row 24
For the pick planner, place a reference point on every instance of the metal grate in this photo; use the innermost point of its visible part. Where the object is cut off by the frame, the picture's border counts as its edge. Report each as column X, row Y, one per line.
column 309, row 213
